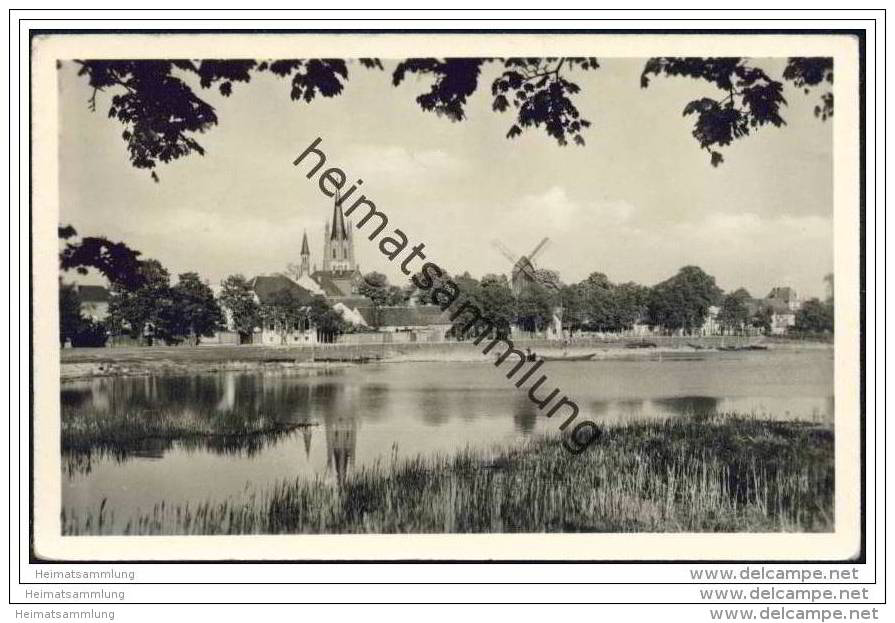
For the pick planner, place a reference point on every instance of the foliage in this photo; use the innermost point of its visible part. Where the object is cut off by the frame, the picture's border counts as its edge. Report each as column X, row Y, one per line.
column 196, row 311
column 156, row 102
column 541, row 96
column 497, row 303
column 629, row 304
column 763, row 318
column 735, row 314
column 806, row 72
column 146, row 307
column 329, row 322
column 115, row 260
column 69, row 312
column 751, row 98
column 598, row 304
column 814, row 317
column 237, row 297
column 534, row 308
column 90, row 334
column 573, row 311
column 375, row 286
column 284, row 311
column 682, row 302
column 74, row 327
column 161, row 113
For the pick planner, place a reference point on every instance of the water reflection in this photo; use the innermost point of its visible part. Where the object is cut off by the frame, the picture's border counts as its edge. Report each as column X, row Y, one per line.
column 687, row 405
column 341, row 445
column 233, row 430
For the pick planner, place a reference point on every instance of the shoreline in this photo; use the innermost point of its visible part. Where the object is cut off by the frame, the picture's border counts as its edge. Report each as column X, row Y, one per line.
column 82, row 364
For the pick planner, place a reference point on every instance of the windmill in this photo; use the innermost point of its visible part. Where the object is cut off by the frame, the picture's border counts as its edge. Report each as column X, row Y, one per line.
column 524, row 271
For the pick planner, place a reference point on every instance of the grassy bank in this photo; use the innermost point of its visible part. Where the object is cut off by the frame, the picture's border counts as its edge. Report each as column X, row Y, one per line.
column 698, row 474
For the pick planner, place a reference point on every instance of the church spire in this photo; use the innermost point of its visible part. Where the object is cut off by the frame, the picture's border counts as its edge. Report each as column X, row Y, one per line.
column 304, row 244
column 338, row 231
column 305, row 268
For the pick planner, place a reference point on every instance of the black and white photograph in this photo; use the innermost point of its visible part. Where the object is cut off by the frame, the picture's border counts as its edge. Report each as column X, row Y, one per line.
column 578, row 292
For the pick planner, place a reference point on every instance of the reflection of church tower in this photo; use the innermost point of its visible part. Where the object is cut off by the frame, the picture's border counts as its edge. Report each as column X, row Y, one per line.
column 341, row 444
column 305, row 268
column 306, row 435
column 338, row 242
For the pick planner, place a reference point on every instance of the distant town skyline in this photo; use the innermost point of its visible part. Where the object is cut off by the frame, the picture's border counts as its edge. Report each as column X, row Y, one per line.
column 637, row 203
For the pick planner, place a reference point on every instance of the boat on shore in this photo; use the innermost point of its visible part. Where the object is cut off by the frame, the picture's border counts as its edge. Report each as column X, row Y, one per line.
column 586, row 357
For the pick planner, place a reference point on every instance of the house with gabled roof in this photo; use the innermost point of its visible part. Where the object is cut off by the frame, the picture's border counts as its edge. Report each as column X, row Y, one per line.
column 94, row 301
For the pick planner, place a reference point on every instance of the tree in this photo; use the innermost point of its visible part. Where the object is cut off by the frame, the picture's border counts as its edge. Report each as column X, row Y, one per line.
column 69, row 313
column 573, row 307
column 683, row 301
column 751, row 98
column 763, row 318
column 156, row 102
column 237, row 297
column 534, row 308
column 198, row 313
column 148, row 307
column 375, row 287
column 629, row 304
column 91, row 333
column 734, row 314
column 115, row 260
column 328, row 322
column 814, row 317
column 598, row 303
column 497, row 303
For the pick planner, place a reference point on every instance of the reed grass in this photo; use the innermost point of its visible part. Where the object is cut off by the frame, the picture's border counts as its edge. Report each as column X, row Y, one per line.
column 718, row 473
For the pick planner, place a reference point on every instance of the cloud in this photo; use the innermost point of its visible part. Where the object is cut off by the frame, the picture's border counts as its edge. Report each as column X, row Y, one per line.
column 394, row 164
column 554, row 210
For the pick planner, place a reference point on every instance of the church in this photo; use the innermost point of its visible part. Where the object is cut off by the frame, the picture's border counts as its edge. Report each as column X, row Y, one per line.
column 340, row 275
column 339, row 279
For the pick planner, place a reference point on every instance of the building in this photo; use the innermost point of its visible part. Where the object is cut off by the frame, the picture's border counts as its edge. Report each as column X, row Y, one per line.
column 94, row 301
column 340, row 276
column 414, row 323
column 275, row 332
column 710, row 325
column 782, row 316
column 786, row 296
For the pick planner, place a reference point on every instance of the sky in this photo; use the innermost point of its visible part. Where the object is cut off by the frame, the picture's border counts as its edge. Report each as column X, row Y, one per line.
column 637, row 202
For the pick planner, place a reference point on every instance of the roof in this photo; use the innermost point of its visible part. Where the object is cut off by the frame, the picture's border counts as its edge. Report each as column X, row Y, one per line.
column 354, row 316
column 783, row 293
column 265, row 286
column 309, row 284
column 355, row 302
column 338, row 232
column 93, row 294
column 305, row 250
column 416, row 316
column 778, row 306
column 336, row 283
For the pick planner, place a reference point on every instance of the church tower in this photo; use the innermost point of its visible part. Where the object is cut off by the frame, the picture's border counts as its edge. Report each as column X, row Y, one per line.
column 305, row 268
column 338, row 242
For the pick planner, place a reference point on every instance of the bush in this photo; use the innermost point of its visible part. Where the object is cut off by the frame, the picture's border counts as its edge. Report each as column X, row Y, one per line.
column 90, row 334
